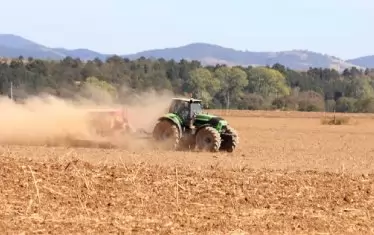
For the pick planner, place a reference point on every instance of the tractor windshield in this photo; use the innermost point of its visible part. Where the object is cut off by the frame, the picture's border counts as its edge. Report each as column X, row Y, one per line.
column 196, row 108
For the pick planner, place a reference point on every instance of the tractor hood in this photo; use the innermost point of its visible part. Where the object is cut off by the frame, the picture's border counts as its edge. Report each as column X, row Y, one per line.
column 205, row 117
column 213, row 120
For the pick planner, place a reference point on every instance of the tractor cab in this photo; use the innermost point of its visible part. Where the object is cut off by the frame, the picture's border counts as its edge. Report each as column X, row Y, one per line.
column 186, row 109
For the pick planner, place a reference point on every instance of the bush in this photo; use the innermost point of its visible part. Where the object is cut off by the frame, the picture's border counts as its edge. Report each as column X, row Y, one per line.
column 335, row 120
column 310, row 101
column 365, row 105
column 345, row 104
column 285, row 103
column 251, row 102
column 330, row 105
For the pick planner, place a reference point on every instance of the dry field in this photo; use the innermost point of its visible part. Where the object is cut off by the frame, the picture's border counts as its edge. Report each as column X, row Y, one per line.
column 289, row 175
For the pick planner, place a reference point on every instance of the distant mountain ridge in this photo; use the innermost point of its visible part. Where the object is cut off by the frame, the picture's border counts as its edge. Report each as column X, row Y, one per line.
column 13, row 46
column 364, row 61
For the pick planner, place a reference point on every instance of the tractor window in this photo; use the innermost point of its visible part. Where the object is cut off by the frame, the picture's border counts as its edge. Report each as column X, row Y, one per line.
column 196, row 108
column 176, row 107
column 182, row 110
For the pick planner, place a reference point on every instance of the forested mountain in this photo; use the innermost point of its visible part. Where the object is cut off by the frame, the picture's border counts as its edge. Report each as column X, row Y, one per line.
column 12, row 46
column 220, row 86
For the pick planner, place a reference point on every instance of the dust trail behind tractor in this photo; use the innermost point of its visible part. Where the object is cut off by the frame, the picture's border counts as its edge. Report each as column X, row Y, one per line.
column 108, row 128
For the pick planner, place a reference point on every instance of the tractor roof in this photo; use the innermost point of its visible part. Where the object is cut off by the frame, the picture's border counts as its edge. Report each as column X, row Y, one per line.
column 188, row 99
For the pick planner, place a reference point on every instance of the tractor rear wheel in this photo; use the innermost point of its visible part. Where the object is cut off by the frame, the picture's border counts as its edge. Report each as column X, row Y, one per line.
column 208, row 139
column 167, row 134
column 230, row 144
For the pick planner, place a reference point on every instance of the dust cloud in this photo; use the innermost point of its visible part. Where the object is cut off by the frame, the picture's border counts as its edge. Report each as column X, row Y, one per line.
column 46, row 118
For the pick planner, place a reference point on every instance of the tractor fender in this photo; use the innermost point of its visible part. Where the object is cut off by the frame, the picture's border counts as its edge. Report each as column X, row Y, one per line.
column 174, row 121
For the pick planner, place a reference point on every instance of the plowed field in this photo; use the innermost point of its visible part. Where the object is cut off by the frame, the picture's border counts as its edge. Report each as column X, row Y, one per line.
column 290, row 175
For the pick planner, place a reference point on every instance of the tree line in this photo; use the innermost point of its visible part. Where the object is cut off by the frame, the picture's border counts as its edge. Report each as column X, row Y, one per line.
column 219, row 86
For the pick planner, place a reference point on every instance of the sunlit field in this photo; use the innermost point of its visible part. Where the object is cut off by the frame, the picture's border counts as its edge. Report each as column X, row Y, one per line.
column 289, row 174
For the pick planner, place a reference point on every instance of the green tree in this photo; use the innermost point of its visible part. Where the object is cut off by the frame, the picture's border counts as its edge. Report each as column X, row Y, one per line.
column 267, row 82
column 203, row 84
column 233, row 80
column 219, row 86
column 99, row 90
column 361, row 88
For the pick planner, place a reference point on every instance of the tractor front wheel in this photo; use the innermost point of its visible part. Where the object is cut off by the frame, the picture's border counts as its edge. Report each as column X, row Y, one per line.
column 230, row 142
column 208, row 139
column 167, row 134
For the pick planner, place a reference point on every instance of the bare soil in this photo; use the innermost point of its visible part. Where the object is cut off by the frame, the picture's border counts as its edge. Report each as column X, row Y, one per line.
column 289, row 175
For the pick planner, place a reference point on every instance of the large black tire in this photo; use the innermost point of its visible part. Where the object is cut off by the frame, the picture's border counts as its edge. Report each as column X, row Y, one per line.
column 208, row 139
column 167, row 135
column 230, row 145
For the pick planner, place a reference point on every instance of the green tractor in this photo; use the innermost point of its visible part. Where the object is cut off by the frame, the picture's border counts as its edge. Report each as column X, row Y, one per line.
column 185, row 126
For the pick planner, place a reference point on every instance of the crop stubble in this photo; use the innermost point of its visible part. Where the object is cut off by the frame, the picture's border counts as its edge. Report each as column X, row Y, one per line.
column 290, row 174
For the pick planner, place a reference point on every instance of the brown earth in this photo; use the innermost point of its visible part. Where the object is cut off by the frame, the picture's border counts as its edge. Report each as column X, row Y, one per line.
column 290, row 175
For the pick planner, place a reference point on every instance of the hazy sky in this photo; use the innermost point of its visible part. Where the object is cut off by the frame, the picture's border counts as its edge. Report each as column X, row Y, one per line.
column 343, row 28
